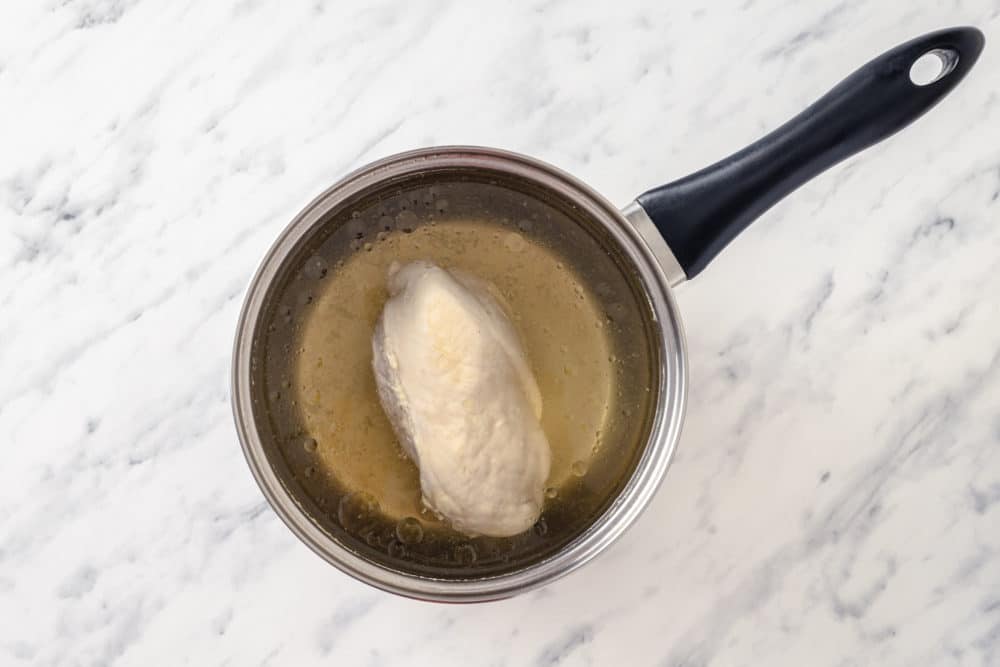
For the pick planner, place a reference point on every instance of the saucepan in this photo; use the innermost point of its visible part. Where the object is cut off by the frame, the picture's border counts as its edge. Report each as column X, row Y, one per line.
column 630, row 259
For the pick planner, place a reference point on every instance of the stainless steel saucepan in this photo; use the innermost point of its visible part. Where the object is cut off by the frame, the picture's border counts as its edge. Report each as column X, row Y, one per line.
column 664, row 237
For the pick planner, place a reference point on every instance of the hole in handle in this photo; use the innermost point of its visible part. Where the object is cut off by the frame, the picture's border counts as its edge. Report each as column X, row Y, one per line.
column 933, row 66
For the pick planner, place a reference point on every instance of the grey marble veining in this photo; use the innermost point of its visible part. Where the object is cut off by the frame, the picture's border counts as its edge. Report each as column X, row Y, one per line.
column 836, row 495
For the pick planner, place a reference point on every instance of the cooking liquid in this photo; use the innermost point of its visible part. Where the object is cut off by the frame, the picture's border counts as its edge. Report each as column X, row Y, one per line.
column 562, row 330
column 324, row 408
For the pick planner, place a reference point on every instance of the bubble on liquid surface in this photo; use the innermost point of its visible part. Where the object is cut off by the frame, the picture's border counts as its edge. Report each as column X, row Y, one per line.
column 310, row 444
column 386, row 223
column 397, row 549
column 355, row 228
column 409, row 531
column 310, row 471
column 579, row 468
column 315, row 268
column 514, row 242
column 551, row 492
column 525, row 225
column 406, row 221
column 465, row 554
column 357, row 511
column 617, row 310
column 540, row 527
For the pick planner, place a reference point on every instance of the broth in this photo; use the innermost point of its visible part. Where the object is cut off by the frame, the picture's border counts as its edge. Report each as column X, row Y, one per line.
column 560, row 325
column 584, row 332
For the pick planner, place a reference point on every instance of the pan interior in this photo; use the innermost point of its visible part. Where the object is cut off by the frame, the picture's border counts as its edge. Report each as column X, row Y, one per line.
column 577, row 304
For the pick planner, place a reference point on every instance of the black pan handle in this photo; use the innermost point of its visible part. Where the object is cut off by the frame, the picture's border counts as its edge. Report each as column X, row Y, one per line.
column 701, row 213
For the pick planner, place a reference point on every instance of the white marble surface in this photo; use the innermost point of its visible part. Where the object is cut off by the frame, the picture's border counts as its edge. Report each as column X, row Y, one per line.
column 836, row 495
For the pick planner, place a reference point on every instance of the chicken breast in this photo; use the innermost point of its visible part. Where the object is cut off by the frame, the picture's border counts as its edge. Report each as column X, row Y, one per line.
column 455, row 382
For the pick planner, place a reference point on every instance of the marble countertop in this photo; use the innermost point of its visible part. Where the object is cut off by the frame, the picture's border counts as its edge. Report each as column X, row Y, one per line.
column 835, row 499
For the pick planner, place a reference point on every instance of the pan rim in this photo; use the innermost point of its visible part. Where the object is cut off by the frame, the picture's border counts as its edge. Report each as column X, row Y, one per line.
column 657, row 453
